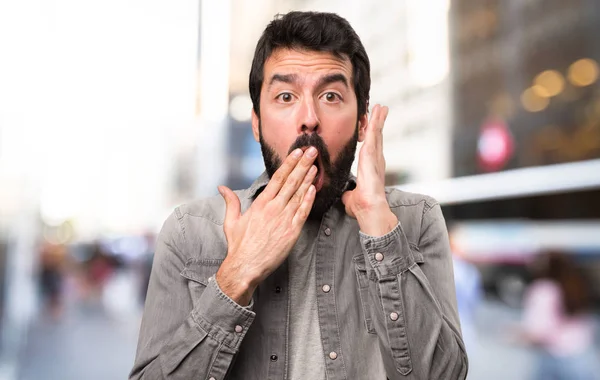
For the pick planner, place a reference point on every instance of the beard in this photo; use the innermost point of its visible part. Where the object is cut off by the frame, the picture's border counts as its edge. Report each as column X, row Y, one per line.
column 337, row 172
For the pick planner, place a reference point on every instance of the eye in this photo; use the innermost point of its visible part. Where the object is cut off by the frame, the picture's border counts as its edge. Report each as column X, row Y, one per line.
column 332, row 97
column 285, row 97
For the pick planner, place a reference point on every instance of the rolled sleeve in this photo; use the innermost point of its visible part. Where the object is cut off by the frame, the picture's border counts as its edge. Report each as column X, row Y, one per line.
column 221, row 317
column 389, row 255
column 413, row 301
column 186, row 335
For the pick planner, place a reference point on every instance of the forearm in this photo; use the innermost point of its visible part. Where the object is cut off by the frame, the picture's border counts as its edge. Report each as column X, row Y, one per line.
column 377, row 221
column 417, row 323
column 234, row 284
column 190, row 329
column 212, row 333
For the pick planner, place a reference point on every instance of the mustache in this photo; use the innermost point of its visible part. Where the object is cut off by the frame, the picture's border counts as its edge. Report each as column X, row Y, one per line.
column 315, row 140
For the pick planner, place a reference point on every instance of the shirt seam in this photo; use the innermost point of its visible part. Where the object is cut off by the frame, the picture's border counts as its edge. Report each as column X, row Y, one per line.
column 408, row 202
column 187, row 213
column 425, row 211
column 212, row 364
column 181, row 231
column 337, row 322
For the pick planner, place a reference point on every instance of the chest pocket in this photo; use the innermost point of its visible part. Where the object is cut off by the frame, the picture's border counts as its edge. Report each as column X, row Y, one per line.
column 362, row 277
column 197, row 273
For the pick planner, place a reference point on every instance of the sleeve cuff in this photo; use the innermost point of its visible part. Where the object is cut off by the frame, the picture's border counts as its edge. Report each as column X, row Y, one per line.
column 250, row 307
column 389, row 255
column 221, row 317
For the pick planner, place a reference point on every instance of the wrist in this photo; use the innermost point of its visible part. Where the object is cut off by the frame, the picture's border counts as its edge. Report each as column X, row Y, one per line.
column 377, row 221
column 236, row 286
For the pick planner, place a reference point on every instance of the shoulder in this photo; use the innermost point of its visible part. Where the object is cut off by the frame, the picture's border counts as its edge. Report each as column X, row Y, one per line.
column 415, row 212
column 403, row 199
column 200, row 227
column 210, row 209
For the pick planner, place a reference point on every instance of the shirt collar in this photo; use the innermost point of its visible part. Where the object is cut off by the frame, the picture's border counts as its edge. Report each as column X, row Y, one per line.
column 259, row 184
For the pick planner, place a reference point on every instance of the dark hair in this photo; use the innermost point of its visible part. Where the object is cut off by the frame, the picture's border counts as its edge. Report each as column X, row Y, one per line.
column 559, row 267
column 312, row 31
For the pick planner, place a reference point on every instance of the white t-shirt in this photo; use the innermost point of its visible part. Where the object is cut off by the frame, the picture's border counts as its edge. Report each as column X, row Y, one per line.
column 307, row 360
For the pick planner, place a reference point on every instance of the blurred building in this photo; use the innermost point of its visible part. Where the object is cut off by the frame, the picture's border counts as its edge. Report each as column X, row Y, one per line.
column 526, row 135
column 526, row 106
column 525, row 84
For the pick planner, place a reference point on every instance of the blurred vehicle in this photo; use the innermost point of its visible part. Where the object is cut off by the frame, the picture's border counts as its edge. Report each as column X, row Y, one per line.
column 500, row 221
column 503, row 251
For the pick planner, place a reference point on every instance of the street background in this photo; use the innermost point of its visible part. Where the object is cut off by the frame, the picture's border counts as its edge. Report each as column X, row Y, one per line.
column 113, row 113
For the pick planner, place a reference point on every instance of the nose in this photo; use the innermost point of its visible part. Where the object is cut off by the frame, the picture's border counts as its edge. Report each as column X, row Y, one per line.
column 308, row 120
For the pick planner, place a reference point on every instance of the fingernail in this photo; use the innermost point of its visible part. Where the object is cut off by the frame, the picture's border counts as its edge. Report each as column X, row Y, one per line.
column 312, row 151
column 297, row 153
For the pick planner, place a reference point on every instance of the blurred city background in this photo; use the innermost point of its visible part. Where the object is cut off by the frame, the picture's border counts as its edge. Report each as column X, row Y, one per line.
column 114, row 112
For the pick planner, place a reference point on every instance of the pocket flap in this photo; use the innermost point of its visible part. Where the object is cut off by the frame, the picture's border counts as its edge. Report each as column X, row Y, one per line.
column 359, row 261
column 201, row 270
column 416, row 254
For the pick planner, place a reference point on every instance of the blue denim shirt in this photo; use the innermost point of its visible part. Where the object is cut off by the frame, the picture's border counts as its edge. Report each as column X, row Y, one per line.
column 389, row 312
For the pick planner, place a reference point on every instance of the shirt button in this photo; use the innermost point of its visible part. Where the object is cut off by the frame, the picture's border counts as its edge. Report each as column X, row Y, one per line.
column 238, row 329
column 273, row 358
column 332, row 355
column 394, row 316
column 379, row 256
column 327, row 231
column 326, row 288
column 278, row 289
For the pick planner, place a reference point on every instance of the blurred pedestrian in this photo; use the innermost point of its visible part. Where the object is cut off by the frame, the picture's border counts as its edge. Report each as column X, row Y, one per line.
column 99, row 268
column 558, row 321
column 51, row 278
column 469, row 293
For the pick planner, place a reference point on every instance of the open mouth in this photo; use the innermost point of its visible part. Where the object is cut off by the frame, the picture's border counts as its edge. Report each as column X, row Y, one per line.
column 320, row 176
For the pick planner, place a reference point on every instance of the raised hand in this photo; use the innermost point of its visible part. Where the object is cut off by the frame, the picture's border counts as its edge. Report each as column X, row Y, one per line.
column 260, row 240
column 367, row 202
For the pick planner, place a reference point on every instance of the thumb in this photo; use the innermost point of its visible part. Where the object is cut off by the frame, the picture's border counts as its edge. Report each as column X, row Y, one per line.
column 232, row 205
column 346, row 200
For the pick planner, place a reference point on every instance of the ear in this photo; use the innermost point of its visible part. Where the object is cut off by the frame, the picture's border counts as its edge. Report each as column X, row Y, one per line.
column 363, row 122
column 255, row 122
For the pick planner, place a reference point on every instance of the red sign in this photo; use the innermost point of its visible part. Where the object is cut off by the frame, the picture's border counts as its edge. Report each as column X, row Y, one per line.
column 495, row 145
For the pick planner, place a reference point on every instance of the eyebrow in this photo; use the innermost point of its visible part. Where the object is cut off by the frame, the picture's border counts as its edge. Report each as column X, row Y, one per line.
column 284, row 78
column 332, row 78
column 323, row 81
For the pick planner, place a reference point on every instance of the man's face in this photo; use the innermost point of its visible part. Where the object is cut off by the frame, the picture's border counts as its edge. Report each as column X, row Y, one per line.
column 307, row 99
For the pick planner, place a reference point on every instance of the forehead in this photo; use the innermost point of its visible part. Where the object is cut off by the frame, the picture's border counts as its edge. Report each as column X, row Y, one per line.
column 306, row 63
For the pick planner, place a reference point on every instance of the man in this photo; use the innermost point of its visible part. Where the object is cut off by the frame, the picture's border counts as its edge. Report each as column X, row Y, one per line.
column 310, row 273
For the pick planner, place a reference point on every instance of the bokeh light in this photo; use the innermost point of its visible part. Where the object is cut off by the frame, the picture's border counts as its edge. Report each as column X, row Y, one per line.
column 583, row 72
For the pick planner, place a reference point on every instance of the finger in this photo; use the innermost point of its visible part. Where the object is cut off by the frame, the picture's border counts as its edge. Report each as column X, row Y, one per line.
column 371, row 124
column 232, row 207
column 346, row 197
column 280, row 177
column 304, row 210
column 296, row 199
column 374, row 135
column 382, row 117
column 295, row 179
column 378, row 117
